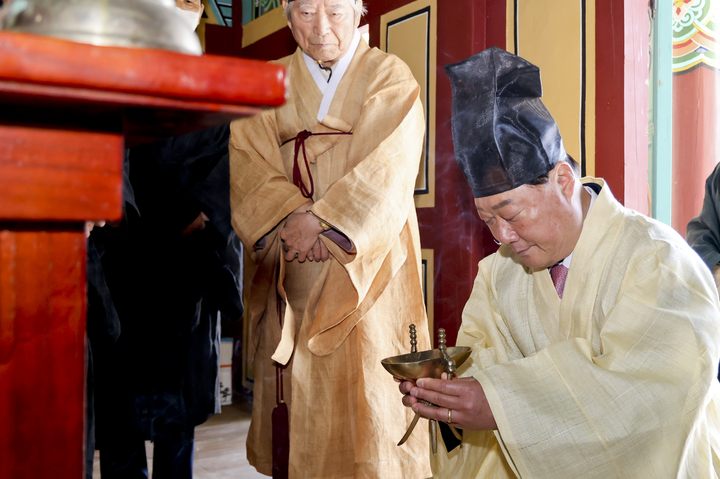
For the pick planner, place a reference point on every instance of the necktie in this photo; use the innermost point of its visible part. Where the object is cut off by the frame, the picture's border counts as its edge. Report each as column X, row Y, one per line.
column 558, row 273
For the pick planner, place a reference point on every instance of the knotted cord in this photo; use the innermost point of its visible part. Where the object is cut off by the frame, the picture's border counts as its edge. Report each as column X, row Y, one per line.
column 300, row 143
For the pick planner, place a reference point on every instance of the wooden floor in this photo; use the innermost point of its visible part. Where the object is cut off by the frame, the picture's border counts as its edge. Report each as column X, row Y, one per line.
column 219, row 447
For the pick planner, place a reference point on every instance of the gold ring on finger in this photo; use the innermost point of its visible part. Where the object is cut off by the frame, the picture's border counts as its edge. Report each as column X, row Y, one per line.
column 449, row 421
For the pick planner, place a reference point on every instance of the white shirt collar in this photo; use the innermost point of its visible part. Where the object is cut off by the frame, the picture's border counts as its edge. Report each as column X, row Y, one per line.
column 328, row 88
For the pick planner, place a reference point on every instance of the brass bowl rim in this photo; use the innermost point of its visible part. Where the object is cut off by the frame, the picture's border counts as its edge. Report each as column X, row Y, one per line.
column 436, row 354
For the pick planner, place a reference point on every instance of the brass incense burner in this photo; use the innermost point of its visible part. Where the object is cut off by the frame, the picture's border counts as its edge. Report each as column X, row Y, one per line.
column 427, row 364
column 128, row 23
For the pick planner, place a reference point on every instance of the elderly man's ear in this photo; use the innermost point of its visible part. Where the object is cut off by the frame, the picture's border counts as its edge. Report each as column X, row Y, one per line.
column 566, row 179
column 358, row 17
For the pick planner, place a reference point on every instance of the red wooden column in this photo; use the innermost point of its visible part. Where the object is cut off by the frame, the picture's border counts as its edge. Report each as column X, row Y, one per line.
column 621, row 131
column 50, row 180
column 67, row 112
column 695, row 141
column 43, row 320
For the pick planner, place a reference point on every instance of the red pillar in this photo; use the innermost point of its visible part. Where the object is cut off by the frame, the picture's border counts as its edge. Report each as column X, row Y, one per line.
column 621, row 137
column 695, row 143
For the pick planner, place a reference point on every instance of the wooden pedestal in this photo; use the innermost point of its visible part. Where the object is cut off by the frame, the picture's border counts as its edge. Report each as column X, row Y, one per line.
column 67, row 112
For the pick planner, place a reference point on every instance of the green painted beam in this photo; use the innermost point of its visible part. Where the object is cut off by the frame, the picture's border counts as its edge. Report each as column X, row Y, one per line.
column 661, row 90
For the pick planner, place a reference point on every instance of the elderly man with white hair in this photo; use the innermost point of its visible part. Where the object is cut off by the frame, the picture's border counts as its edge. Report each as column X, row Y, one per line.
column 322, row 198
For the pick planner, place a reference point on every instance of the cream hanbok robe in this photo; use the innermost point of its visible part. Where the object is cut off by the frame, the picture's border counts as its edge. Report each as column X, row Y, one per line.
column 348, row 313
column 617, row 379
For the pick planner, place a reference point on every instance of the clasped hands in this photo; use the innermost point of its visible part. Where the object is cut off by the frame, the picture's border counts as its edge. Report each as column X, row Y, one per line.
column 301, row 236
column 464, row 396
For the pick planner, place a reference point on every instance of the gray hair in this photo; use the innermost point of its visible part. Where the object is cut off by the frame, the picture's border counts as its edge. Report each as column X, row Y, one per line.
column 359, row 9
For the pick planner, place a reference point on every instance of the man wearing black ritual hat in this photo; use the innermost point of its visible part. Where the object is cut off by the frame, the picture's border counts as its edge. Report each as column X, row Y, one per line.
column 595, row 330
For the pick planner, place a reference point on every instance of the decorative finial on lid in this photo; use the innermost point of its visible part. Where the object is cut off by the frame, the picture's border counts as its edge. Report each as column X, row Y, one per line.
column 447, row 360
column 413, row 339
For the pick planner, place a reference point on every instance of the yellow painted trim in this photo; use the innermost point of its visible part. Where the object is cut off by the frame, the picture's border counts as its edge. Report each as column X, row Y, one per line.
column 209, row 12
column 429, row 256
column 590, row 88
column 561, row 86
column 263, row 26
column 422, row 200
column 510, row 26
column 551, row 39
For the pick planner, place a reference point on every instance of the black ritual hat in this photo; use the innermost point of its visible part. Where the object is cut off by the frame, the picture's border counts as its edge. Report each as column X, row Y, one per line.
column 504, row 136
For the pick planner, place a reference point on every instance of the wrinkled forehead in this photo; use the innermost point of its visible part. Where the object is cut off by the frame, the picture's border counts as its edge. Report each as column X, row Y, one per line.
column 519, row 197
column 326, row 3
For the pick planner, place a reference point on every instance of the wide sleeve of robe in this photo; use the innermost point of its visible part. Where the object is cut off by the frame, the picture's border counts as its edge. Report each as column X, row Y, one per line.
column 628, row 391
column 260, row 193
column 703, row 231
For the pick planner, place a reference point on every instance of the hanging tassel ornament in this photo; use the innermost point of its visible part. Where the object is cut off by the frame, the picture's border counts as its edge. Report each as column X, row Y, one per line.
column 280, row 430
column 280, row 421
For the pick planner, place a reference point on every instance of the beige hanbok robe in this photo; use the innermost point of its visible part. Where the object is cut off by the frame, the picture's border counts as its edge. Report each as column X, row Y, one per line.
column 617, row 379
column 348, row 313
